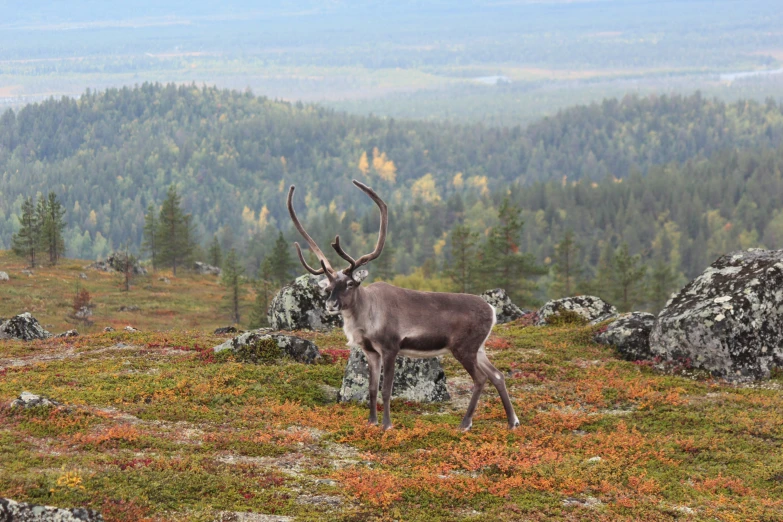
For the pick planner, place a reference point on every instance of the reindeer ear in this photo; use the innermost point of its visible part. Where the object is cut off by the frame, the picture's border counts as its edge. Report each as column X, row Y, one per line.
column 324, row 283
column 359, row 275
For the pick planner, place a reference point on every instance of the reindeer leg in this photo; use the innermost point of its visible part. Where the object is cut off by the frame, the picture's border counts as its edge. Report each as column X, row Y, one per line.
column 389, row 356
column 500, row 383
column 479, row 380
column 374, row 365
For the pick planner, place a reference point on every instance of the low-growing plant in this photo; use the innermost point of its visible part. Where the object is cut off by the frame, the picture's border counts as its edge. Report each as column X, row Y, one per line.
column 263, row 351
column 564, row 317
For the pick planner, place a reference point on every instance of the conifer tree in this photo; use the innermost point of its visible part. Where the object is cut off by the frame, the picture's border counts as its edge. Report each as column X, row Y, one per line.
column 263, row 287
column 174, row 232
column 464, row 259
column 503, row 264
column 232, row 280
column 384, row 265
column 150, row 243
column 50, row 213
column 628, row 278
column 662, row 282
column 215, row 253
column 567, row 271
column 26, row 242
column 282, row 262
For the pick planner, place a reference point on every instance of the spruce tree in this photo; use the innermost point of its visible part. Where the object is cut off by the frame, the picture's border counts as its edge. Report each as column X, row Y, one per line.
column 26, row 242
column 150, row 243
column 503, row 264
column 628, row 278
column 567, row 270
column 174, row 232
column 215, row 253
column 263, row 287
column 383, row 268
column 464, row 259
column 662, row 282
column 50, row 214
column 232, row 280
column 282, row 262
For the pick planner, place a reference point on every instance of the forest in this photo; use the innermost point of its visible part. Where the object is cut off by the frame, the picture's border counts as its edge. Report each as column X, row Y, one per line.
column 678, row 179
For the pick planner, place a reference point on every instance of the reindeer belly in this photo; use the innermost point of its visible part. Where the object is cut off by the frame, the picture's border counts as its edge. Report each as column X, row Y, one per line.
column 423, row 346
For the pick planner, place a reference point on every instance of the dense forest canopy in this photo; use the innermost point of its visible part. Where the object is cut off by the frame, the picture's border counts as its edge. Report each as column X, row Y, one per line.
column 703, row 174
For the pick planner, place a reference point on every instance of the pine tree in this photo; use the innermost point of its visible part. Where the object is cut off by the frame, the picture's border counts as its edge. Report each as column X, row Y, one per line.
column 464, row 259
column 150, row 243
column 232, row 280
column 383, row 268
column 174, row 232
column 26, row 242
column 503, row 264
column 215, row 253
column 50, row 214
column 628, row 278
column 282, row 262
column 567, row 271
column 263, row 287
column 662, row 282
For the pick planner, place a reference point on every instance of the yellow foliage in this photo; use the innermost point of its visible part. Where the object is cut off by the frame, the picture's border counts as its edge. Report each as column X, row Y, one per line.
column 263, row 218
column 438, row 246
column 93, row 219
column 479, row 183
column 364, row 164
column 383, row 166
column 458, row 182
column 248, row 216
column 424, row 188
column 283, row 161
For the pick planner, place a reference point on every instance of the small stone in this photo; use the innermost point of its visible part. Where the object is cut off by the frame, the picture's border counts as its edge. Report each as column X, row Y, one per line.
column 82, row 275
column 28, row 273
column 164, row 280
column 69, row 333
column 4, row 276
column 129, row 308
column 594, row 459
column 108, row 329
column 30, row 400
column 11, row 510
column 131, row 329
column 225, row 330
column 205, row 269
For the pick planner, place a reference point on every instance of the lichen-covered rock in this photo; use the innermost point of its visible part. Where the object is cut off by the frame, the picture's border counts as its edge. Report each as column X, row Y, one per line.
column 205, row 269
column 31, row 400
column 593, row 309
column 505, row 310
column 108, row 329
column 729, row 320
column 300, row 305
column 300, row 350
column 11, row 510
column 223, row 330
column 24, row 327
column 84, row 313
column 68, row 333
column 116, row 263
column 420, row 380
column 4, row 276
column 131, row 329
column 630, row 334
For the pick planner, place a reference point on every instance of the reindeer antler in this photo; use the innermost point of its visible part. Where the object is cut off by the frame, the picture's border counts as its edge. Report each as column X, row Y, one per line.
column 325, row 266
column 381, row 233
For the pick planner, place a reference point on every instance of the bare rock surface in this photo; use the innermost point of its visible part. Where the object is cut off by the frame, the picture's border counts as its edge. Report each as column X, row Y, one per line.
column 419, row 380
column 23, row 327
column 729, row 320
column 505, row 310
column 301, row 304
column 630, row 334
column 300, row 350
column 30, row 400
column 593, row 309
column 11, row 510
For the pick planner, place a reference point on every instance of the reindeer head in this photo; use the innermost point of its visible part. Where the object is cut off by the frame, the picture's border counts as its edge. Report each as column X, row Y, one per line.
column 342, row 284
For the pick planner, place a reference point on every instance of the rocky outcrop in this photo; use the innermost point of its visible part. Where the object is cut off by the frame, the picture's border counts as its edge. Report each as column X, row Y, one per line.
column 4, row 276
column 591, row 308
column 729, row 320
column 505, row 310
column 30, row 400
column 116, row 263
column 23, row 327
column 205, row 269
column 420, row 380
column 251, row 347
column 302, row 305
column 630, row 334
column 22, row 512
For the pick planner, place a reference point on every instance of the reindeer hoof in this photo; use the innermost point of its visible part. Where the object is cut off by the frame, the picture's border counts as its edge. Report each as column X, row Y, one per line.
column 514, row 425
column 387, row 427
column 464, row 428
column 372, row 423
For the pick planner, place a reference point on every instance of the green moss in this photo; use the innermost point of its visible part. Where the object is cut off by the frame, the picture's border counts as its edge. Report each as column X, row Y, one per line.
column 263, row 351
column 565, row 317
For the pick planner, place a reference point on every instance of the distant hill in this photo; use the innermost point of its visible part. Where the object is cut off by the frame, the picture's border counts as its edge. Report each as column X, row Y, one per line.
column 111, row 154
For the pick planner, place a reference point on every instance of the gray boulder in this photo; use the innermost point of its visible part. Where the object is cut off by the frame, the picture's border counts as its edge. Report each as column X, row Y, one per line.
column 729, row 320
column 4, row 276
column 116, row 263
column 84, row 313
column 68, row 333
column 300, row 350
column 23, row 327
column 30, row 400
column 420, row 380
column 505, row 310
column 301, row 305
column 630, row 334
column 591, row 308
column 205, row 269
column 11, row 510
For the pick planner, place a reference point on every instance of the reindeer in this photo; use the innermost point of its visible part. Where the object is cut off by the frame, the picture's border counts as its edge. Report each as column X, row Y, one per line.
column 386, row 321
